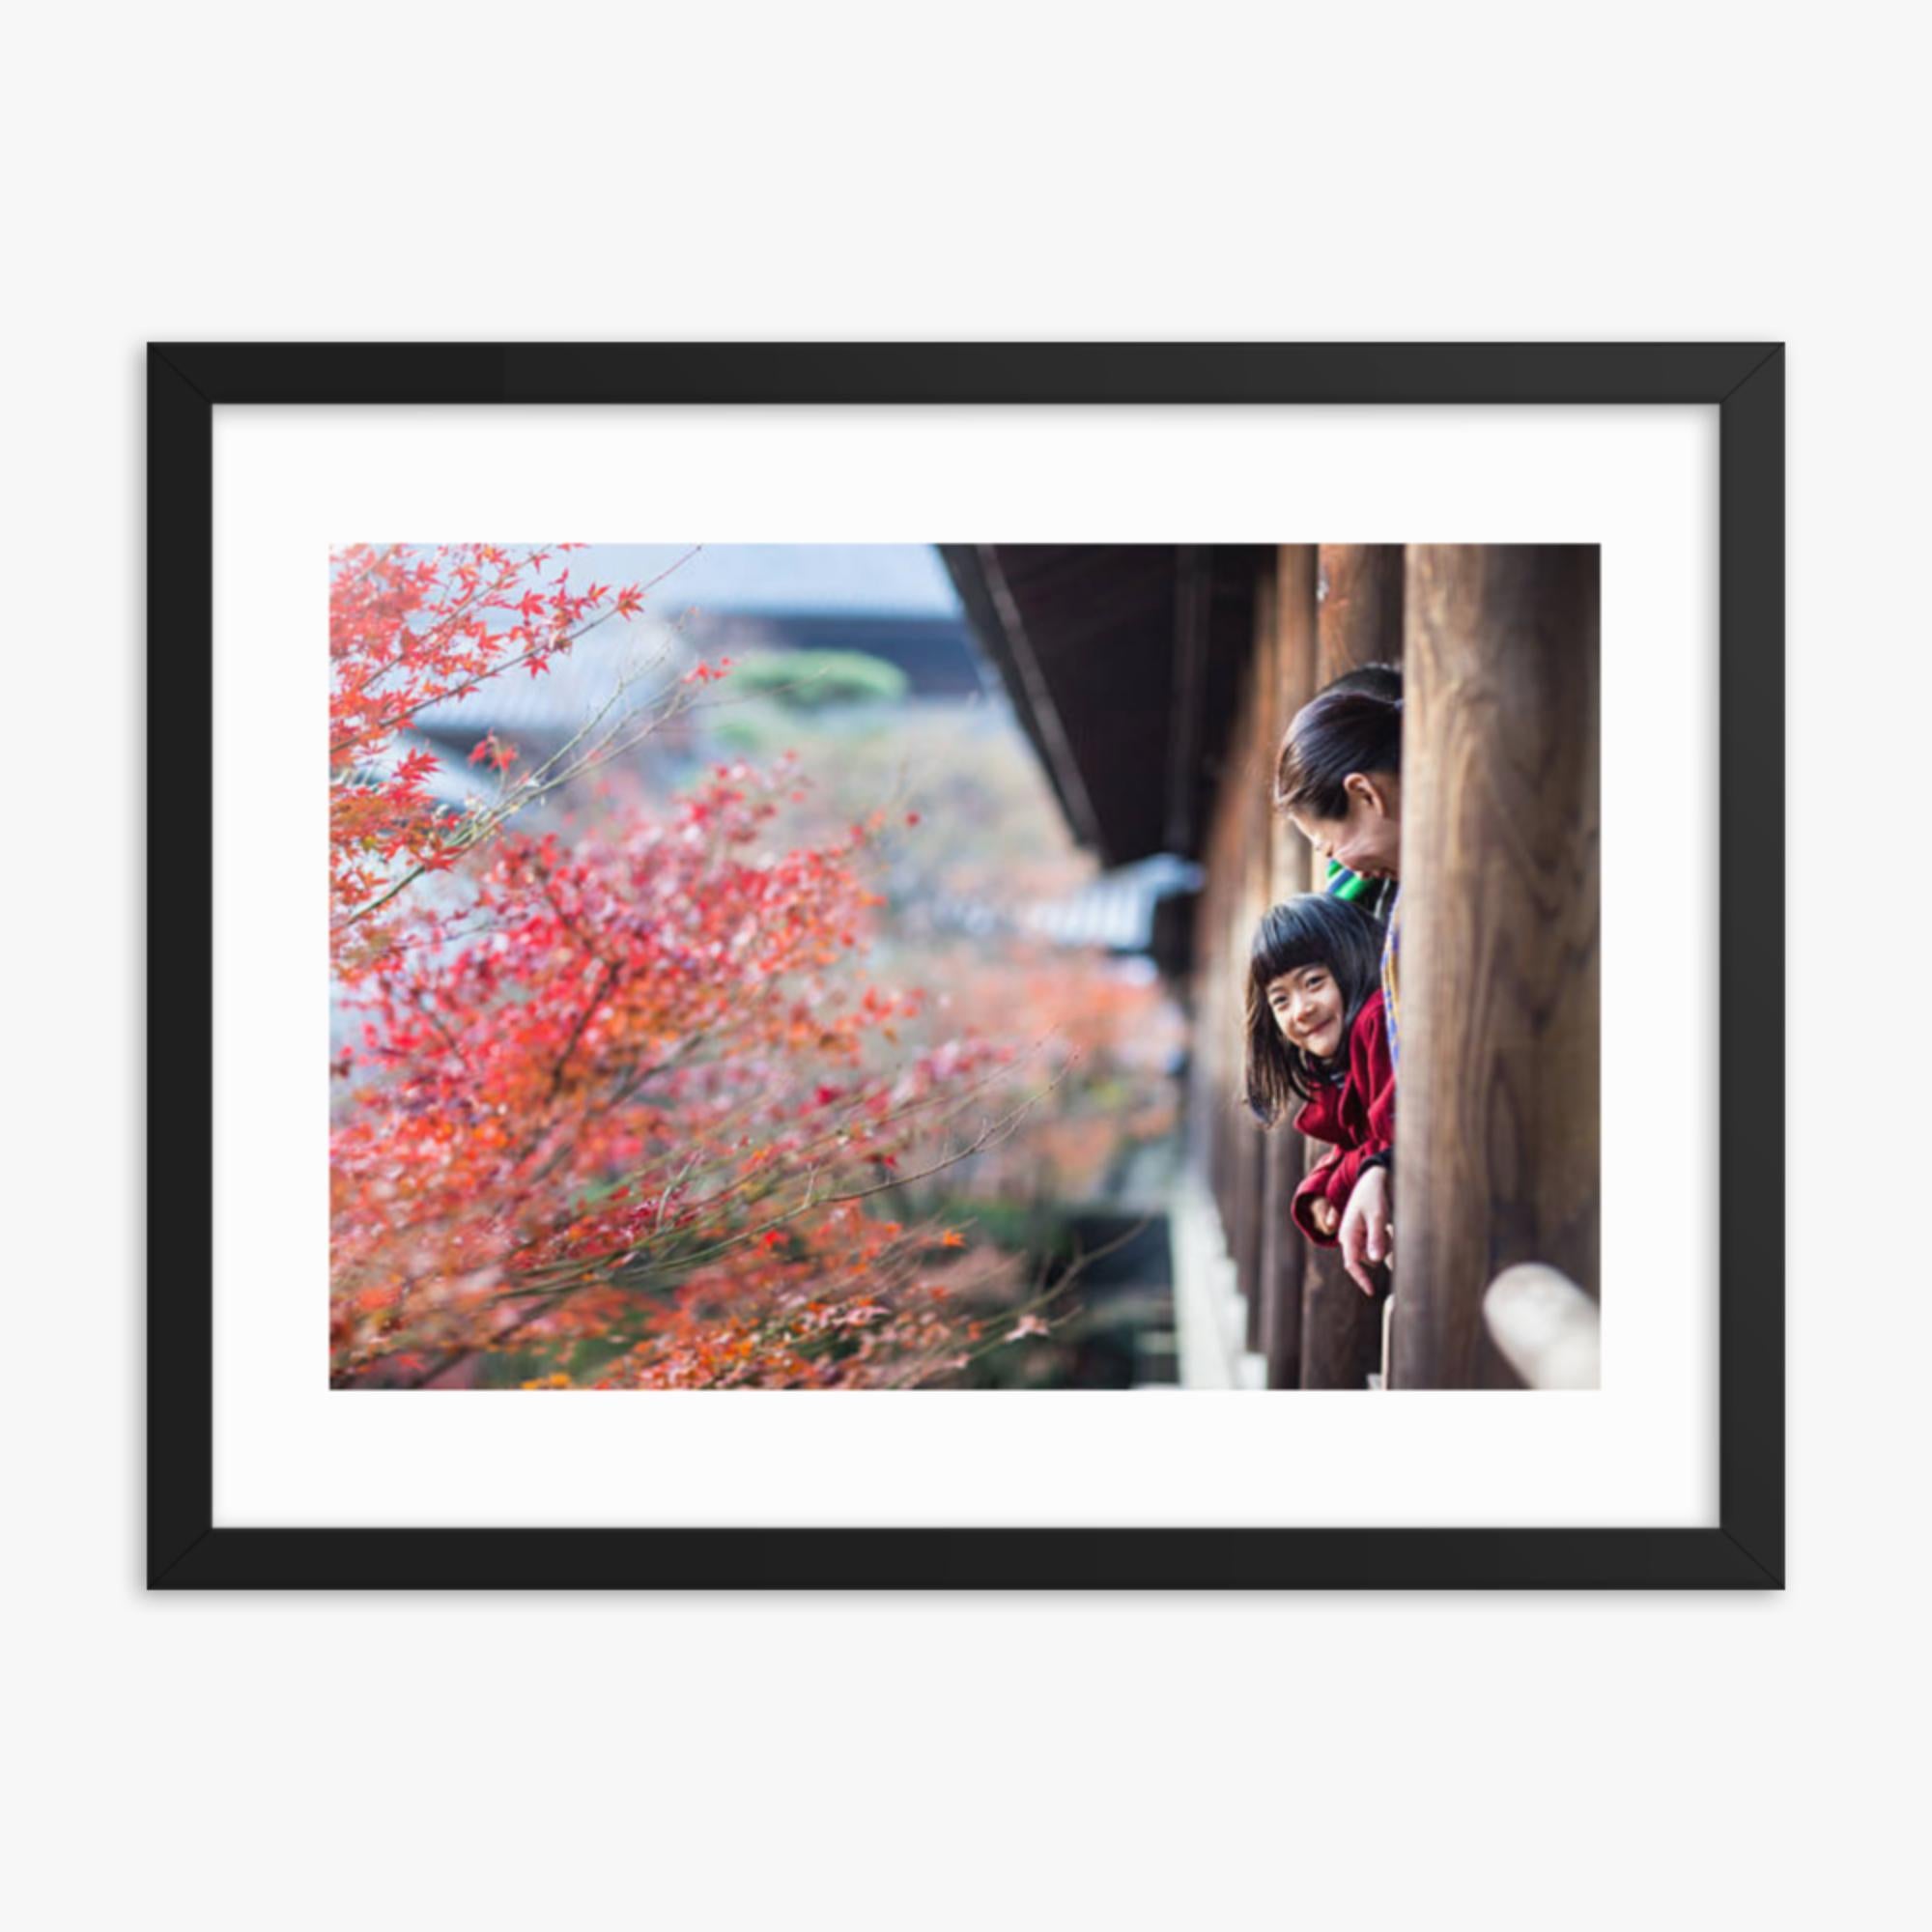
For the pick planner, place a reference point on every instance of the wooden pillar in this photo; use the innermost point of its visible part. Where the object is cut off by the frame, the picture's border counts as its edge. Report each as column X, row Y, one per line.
column 1292, row 683
column 1361, row 593
column 1248, row 1237
column 1496, row 1156
column 1358, row 622
column 1216, row 1015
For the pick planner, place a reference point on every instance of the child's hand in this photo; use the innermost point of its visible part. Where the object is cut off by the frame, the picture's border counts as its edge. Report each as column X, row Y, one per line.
column 1367, row 1235
column 1324, row 1214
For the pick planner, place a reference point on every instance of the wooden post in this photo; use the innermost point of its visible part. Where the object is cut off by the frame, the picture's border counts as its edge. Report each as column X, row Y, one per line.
column 1292, row 683
column 1358, row 622
column 1496, row 1153
column 1217, row 1014
column 1360, row 591
column 1250, row 1239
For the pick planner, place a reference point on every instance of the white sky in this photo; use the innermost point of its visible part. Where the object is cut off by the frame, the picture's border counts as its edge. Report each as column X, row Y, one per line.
column 900, row 578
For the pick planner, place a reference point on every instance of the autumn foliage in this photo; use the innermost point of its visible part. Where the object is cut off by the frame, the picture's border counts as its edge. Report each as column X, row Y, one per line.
column 628, row 1106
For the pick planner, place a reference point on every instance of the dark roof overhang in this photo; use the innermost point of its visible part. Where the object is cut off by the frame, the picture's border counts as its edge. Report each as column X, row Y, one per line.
column 1125, row 663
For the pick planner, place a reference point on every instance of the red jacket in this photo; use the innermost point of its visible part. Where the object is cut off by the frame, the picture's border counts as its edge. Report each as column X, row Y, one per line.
column 1358, row 1115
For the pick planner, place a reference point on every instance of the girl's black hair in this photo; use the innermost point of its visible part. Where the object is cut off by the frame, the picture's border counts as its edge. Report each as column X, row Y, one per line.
column 1311, row 929
column 1352, row 725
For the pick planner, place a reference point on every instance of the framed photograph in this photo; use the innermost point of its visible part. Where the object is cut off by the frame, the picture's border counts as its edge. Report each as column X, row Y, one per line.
column 969, row 966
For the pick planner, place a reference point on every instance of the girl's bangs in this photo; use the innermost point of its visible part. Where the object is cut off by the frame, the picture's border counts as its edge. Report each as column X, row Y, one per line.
column 1278, row 953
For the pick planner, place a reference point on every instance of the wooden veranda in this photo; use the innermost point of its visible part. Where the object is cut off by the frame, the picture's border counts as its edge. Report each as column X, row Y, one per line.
column 1155, row 683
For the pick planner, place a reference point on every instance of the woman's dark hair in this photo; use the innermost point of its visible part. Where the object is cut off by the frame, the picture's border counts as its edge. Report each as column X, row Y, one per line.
column 1352, row 725
column 1311, row 929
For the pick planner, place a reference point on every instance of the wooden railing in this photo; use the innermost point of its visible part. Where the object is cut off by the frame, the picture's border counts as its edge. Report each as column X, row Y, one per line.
column 1544, row 1327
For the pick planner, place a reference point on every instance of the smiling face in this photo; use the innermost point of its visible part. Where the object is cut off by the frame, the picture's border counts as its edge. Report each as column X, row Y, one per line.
column 1308, row 1007
column 1368, row 839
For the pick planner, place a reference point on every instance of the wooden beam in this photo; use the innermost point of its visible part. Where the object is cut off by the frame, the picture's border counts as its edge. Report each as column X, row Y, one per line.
column 981, row 580
column 1496, row 1155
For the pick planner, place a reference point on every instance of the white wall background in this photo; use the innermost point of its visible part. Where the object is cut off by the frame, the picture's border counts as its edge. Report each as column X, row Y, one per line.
column 1000, row 171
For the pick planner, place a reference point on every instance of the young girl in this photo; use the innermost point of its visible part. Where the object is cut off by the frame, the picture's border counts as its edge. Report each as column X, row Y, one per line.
column 1339, row 779
column 1315, row 1036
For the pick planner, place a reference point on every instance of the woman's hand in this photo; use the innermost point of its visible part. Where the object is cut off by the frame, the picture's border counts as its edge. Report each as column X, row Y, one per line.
column 1367, row 1235
column 1326, row 1216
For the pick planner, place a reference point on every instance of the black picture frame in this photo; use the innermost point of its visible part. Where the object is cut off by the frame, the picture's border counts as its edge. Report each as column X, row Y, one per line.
column 1746, row 380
